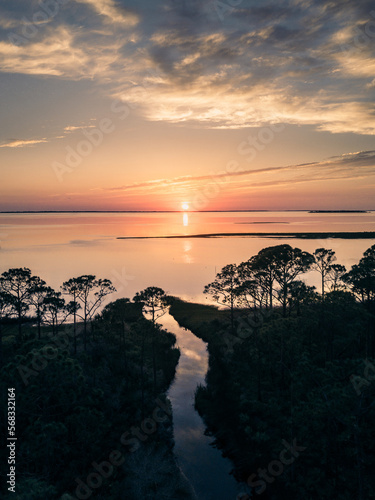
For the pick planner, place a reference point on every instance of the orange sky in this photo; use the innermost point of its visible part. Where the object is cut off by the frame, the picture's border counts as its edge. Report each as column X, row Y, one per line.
column 144, row 105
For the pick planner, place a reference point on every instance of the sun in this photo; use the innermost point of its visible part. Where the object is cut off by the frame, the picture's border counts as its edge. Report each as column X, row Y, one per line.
column 185, row 206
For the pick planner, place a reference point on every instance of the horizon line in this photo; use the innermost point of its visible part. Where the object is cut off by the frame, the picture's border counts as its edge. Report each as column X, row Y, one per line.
column 309, row 210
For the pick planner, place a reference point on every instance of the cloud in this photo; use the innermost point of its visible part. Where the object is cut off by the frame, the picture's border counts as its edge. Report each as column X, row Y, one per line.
column 21, row 143
column 74, row 128
column 6, row 23
column 64, row 52
column 18, row 143
column 348, row 166
column 296, row 63
column 270, row 64
column 113, row 12
column 54, row 56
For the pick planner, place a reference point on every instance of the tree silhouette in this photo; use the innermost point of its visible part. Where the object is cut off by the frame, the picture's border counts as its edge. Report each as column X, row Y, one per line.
column 324, row 259
column 17, row 282
column 335, row 277
column 266, row 262
column 54, row 310
column 90, row 292
column 224, row 289
column 7, row 303
column 117, row 315
column 71, row 288
column 252, row 290
column 289, row 263
column 38, row 292
column 155, row 302
column 361, row 277
column 298, row 294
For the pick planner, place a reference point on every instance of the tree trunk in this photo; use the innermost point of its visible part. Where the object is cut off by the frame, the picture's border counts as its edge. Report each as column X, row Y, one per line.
column 19, row 326
column 75, row 332
column 39, row 322
column 153, row 349
column 85, row 330
column 19, row 310
column 232, row 319
column 270, row 285
column 284, row 301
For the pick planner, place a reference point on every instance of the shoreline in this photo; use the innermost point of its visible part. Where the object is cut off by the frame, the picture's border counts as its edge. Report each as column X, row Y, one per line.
column 309, row 211
column 307, row 236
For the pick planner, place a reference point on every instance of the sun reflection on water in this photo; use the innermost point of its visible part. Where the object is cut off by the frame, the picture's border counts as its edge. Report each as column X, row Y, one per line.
column 185, row 219
column 187, row 257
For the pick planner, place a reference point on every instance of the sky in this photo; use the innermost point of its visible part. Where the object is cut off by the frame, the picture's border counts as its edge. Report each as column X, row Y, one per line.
column 169, row 104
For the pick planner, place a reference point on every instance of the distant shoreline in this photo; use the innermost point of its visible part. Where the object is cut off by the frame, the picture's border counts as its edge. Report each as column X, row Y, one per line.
column 178, row 211
column 338, row 211
column 306, row 236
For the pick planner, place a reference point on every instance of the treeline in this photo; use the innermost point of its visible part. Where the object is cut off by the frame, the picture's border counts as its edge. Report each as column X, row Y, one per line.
column 92, row 418
column 272, row 275
column 291, row 367
column 22, row 293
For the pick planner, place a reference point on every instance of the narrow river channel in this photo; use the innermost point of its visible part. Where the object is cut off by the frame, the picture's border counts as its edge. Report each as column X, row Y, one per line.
column 203, row 465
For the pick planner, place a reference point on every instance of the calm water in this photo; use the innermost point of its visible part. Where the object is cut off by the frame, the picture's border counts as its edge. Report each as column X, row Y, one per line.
column 60, row 246
column 205, row 468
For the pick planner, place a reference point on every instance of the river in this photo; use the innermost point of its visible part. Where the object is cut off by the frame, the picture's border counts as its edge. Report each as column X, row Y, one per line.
column 203, row 465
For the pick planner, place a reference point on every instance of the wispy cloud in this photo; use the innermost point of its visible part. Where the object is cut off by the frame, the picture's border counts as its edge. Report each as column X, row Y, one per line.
column 114, row 12
column 74, row 128
column 19, row 143
column 348, row 166
column 65, row 52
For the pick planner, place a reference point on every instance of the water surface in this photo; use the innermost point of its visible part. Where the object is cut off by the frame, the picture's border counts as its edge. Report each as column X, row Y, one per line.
column 203, row 465
column 61, row 246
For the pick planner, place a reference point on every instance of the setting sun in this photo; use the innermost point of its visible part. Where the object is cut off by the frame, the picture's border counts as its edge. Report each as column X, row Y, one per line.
column 185, row 206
